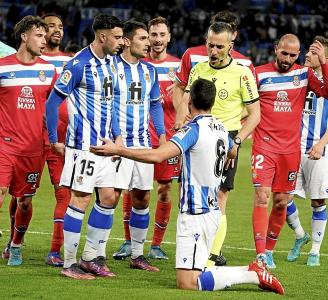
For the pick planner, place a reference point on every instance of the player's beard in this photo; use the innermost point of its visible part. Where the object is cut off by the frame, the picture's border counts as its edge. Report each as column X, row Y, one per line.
column 53, row 44
column 284, row 68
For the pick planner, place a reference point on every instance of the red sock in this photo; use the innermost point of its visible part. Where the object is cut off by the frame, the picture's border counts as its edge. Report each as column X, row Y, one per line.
column 127, row 207
column 276, row 223
column 12, row 212
column 162, row 217
column 22, row 220
column 260, row 227
column 63, row 196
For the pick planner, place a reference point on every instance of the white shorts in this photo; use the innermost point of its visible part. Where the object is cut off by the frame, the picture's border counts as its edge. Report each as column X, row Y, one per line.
column 312, row 178
column 194, row 238
column 83, row 171
column 131, row 174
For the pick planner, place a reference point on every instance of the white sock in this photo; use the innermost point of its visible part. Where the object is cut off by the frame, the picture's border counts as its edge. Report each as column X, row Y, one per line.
column 218, row 278
column 319, row 221
column 293, row 220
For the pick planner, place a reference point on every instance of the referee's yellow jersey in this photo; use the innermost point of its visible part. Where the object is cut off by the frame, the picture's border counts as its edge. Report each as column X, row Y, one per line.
column 235, row 87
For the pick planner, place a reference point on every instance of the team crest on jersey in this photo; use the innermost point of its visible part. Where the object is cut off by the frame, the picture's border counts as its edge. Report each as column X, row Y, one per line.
column 147, row 78
column 171, row 73
column 223, row 94
column 113, row 68
column 66, row 77
column 296, row 81
column 182, row 132
column 79, row 179
column 42, row 76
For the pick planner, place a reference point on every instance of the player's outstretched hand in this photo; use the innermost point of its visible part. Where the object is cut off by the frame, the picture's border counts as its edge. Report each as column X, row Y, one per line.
column 107, row 149
column 232, row 154
column 59, row 148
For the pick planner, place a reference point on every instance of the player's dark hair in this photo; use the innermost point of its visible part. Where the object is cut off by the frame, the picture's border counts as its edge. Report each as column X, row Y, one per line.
column 43, row 17
column 323, row 41
column 219, row 27
column 26, row 24
column 104, row 21
column 72, row 48
column 228, row 17
column 159, row 20
column 202, row 94
column 130, row 28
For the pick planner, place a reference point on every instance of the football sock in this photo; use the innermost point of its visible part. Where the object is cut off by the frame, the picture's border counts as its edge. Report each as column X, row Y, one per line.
column 293, row 220
column 99, row 226
column 22, row 220
column 139, row 223
column 72, row 232
column 218, row 241
column 319, row 221
column 127, row 206
column 219, row 278
column 12, row 212
column 276, row 223
column 63, row 196
column 260, row 227
column 162, row 217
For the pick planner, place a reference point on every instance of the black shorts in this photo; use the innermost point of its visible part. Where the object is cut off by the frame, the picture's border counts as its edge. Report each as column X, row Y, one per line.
column 230, row 173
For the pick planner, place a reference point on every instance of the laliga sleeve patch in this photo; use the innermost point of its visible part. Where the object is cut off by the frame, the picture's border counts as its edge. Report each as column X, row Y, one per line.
column 66, row 77
column 182, row 132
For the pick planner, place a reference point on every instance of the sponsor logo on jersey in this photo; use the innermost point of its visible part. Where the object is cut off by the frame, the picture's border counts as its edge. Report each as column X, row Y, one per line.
column 173, row 160
column 248, row 87
column 42, row 76
column 79, row 179
column 75, row 61
column 292, row 176
column 296, row 81
column 66, row 77
column 12, row 75
column 223, row 94
column 32, row 177
column 269, row 80
column 282, row 103
column 26, row 99
column 121, row 76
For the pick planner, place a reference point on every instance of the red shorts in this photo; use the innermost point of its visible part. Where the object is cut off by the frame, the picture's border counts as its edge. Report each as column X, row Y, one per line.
column 19, row 173
column 167, row 170
column 274, row 170
column 55, row 164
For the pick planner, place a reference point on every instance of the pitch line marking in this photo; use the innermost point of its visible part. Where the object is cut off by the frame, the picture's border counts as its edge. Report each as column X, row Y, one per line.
column 173, row 243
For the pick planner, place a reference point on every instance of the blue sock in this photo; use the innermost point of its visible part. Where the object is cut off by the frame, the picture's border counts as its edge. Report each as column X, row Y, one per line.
column 72, row 232
column 139, row 223
column 99, row 226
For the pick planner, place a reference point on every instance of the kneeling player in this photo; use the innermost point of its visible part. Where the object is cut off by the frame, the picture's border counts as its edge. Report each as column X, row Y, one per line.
column 203, row 144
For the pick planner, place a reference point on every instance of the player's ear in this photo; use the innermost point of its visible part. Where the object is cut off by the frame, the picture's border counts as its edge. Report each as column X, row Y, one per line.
column 169, row 39
column 24, row 36
column 127, row 42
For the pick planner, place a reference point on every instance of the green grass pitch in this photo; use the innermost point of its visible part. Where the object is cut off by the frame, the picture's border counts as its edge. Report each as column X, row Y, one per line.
column 35, row 280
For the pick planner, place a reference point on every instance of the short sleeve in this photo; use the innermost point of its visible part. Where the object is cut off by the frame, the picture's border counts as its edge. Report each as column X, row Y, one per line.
column 248, row 86
column 186, row 137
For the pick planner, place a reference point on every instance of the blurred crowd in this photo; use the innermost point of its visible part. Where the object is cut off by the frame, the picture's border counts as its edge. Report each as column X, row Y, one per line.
column 261, row 21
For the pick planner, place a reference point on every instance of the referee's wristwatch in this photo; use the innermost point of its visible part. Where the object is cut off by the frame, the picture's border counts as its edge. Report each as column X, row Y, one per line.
column 237, row 141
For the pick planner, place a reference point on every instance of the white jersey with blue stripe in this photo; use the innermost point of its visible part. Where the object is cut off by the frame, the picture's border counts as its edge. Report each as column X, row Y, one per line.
column 88, row 82
column 137, row 87
column 314, row 121
column 204, row 144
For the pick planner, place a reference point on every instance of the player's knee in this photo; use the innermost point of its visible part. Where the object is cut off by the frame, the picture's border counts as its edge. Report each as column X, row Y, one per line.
column 262, row 197
column 163, row 191
column 280, row 200
column 318, row 202
column 3, row 191
column 184, row 284
column 24, row 203
column 140, row 198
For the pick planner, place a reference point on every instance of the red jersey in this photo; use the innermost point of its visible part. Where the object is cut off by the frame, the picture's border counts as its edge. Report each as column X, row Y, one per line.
column 59, row 60
column 282, row 97
column 24, row 89
column 194, row 55
column 166, row 69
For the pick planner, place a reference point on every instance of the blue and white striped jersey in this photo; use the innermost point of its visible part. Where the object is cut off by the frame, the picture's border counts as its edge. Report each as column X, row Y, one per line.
column 88, row 82
column 314, row 121
column 137, row 87
column 204, row 144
